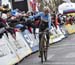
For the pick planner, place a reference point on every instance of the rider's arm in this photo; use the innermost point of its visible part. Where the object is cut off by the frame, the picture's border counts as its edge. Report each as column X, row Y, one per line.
column 49, row 22
column 35, row 16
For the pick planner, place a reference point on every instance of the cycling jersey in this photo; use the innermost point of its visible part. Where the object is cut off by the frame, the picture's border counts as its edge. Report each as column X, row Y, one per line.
column 43, row 16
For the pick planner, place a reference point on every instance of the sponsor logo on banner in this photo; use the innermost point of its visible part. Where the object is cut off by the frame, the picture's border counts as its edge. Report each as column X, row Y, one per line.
column 7, row 54
column 19, row 45
column 31, row 40
column 23, row 48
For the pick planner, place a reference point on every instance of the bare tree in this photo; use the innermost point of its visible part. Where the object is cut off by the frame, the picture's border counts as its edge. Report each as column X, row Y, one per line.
column 52, row 4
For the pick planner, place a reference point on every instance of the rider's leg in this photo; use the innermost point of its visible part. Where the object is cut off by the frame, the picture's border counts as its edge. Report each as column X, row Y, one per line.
column 48, row 37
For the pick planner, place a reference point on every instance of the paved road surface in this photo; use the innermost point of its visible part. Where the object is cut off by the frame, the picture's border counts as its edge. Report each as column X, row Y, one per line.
column 61, row 53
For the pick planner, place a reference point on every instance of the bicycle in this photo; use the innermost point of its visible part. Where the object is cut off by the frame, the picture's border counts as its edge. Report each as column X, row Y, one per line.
column 43, row 46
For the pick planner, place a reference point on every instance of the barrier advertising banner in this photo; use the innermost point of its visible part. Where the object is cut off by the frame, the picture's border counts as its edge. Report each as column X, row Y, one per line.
column 32, row 41
column 70, row 28
column 22, row 47
column 57, row 35
column 7, row 54
column 19, row 45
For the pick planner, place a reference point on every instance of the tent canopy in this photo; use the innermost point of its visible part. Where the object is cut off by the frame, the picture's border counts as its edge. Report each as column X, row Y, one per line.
column 66, row 8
